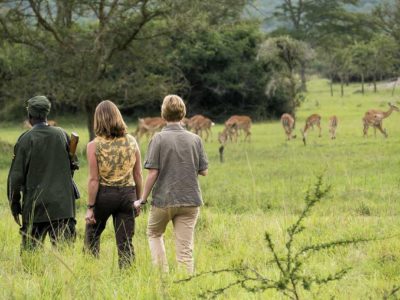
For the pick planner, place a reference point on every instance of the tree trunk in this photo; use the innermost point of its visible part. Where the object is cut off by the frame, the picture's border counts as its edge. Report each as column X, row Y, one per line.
column 341, row 87
column 362, row 83
column 375, row 89
column 303, row 77
column 331, row 84
column 89, row 109
column 394, row 87
column 293, row 94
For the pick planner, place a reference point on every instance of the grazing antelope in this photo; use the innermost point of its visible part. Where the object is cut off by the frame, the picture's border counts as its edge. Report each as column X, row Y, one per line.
column 51, row 123
column 288, row 125
column 333, row 122
column 226, row 134
column 374, row 118
column 236, row 123
column 27, row 125
column 200, row 124
column 314, row 119
column 149, row 126
column 185, row 122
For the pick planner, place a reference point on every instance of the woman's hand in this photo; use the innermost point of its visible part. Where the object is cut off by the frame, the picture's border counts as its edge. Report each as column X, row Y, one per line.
column 137, row 204
column 137, row 207
column 89, row 218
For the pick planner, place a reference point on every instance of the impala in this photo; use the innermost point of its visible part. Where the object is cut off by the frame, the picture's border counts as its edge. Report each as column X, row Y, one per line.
column 27, row 125
column 333, row 122
column 236, row 123
column 226, row 134
column 288, row 125
column 149, row 126
column 52, row 122
column 314, row 119
column 374, row 118
column 200, row 124
column 185, row 122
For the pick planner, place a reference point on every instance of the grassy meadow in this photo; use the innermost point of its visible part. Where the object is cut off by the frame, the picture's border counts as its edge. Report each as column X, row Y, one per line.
column 260, row 186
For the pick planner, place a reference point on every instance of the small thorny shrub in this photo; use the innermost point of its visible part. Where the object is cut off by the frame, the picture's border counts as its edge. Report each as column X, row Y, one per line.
column 291, row 262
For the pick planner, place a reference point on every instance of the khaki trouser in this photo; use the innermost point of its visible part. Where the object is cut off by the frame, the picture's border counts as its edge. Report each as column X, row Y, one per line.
column 184, row 220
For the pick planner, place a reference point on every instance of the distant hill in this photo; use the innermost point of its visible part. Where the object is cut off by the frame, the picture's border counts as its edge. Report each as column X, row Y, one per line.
column 264, row 9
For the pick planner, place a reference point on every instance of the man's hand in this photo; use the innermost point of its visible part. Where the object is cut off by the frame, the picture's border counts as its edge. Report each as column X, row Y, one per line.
column 74, row 164
column 16, row 210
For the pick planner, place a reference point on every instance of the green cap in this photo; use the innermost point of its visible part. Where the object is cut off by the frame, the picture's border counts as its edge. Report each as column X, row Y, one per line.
column 39, row 107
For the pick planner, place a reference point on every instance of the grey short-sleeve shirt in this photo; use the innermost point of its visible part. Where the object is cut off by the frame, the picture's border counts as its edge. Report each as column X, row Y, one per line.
column 179, row 156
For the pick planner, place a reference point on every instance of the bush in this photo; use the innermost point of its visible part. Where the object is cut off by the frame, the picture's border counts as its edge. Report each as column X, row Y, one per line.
column 6, row 151
column 287, row 271
column 13, row 111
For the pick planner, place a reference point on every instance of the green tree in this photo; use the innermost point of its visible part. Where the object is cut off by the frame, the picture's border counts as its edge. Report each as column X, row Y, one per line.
column 361, row 61
column 336, row 64
column 79, row 41
column 384, row 57
column 313, row 20
column 387, row 16
column 90, row 50
column 222, row 71
column 284, row 57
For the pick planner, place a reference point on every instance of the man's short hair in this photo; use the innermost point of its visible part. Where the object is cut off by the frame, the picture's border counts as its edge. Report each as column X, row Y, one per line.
column 173, row 108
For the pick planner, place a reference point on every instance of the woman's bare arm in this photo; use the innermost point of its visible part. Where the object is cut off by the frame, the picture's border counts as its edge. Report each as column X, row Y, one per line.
column 93, row 182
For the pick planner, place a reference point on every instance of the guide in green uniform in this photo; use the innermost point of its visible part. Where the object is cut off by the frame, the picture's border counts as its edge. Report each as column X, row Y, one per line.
column 41, row 171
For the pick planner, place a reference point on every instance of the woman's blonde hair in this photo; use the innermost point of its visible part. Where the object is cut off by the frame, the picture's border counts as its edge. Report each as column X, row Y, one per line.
column 108, row 121
column 173, row 108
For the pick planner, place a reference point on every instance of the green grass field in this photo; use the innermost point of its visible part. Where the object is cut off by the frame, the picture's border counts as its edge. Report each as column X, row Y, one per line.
column 260, row 187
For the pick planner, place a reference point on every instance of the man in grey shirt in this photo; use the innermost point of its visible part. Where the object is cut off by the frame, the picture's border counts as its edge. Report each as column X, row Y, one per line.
column 175, row 158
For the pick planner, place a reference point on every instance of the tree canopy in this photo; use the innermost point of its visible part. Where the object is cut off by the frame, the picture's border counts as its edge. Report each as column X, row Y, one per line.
column 212, row 53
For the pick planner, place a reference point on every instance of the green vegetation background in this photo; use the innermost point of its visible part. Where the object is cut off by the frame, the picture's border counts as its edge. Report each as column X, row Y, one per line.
column 260, row 186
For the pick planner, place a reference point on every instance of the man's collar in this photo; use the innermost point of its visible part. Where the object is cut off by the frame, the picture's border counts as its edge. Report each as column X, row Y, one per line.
column 173, row 126
column 40, row 124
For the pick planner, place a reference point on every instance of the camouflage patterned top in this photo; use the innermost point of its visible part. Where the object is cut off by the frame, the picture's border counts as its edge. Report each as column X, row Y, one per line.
column 115, row 160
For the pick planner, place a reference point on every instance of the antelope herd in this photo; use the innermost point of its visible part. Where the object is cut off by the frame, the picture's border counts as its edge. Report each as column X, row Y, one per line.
column 372, row 117
column 200, row 125
column 238, row 125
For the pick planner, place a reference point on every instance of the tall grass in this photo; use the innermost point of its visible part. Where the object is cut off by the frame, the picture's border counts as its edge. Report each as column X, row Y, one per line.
column 256, row 189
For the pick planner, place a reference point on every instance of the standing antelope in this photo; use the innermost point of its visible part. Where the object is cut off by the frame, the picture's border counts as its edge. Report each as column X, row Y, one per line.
column 288, row 125
column 149, row 126
column 333, row 122
column 27, row 125
column 200, row 124
column 314, row 119
column 374, row 118
column 236, row 123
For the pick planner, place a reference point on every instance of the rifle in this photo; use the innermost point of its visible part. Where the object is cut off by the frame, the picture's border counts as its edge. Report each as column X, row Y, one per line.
column 73, row 144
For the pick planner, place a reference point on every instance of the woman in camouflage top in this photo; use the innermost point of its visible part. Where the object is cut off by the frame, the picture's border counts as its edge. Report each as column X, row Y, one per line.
column 115, row 182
